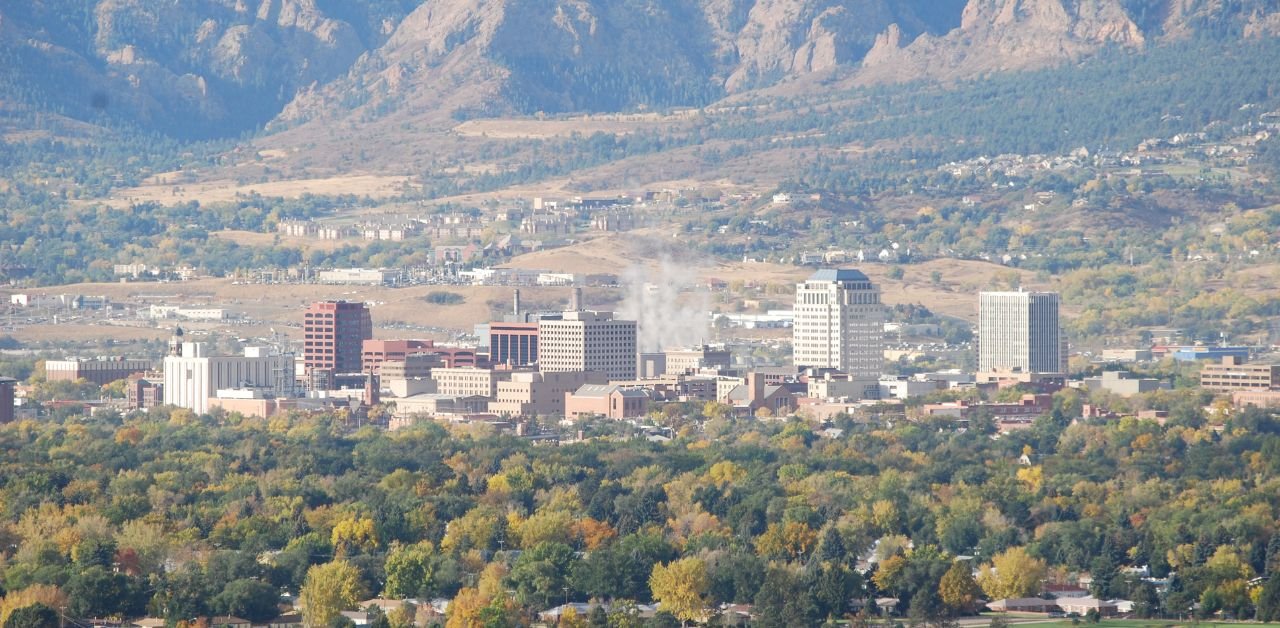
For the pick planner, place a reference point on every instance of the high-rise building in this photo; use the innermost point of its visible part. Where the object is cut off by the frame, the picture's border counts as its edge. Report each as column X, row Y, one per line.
column 588, row 341
column 7, row 387
column 839, row 323
column 333, row 336
column 1019, row 332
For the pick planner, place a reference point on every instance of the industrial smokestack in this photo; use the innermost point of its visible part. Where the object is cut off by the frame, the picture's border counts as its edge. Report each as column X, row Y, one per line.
column 575, row 300
column 516, row 305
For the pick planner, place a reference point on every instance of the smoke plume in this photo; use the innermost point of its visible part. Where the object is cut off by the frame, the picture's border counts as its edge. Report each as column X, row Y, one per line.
column 670, row 309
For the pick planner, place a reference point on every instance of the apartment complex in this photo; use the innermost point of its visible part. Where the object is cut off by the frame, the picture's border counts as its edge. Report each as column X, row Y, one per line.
column 1020, row 331
column 192, row 376
column 588, row 341
column 839, row 323
column 100, row 372
column 333, row 336
column 1233, row 374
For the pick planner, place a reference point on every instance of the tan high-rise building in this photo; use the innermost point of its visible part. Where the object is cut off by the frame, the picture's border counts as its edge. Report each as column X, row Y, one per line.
column 839, row 323
column 588, row 341
column 1020, row 331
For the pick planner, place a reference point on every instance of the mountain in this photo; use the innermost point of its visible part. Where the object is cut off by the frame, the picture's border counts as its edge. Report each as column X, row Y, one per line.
column 203, row 68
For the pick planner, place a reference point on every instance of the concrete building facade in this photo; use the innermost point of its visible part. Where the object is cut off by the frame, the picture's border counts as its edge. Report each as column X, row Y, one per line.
column 1020, row 331
column 333, row 336
column 99, row 372
column 541, row 394
column 467, row 381
column 588, row 341
column 1233, row 374
column 193, row 377
column 684, row 361
column 839, row 323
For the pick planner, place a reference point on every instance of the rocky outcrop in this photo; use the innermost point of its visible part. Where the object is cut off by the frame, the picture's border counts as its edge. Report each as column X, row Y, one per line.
column 220, row 67
column 1000, row 35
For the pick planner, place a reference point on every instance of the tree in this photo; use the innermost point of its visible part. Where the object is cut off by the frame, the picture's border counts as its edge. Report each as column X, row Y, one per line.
column 45, row 594
column 34, row 616
column 540, row 574
column 681, row 587
column 96, row 592
column 328, row 590
column 958, row 589
column 1012, row 573
column 251, row 599
column 1269, row 600
column 411, row 570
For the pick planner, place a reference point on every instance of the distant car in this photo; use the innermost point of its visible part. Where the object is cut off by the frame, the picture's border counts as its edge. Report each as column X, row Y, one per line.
column 1057, row 614
column 1073, row 615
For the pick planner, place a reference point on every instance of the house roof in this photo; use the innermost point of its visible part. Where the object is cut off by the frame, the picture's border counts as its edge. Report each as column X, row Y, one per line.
column 838, row 274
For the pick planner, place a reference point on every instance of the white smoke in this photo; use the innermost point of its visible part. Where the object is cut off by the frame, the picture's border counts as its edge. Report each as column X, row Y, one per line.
column 669, row 308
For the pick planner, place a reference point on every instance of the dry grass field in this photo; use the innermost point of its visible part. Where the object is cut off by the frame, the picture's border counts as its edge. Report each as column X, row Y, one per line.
column 173, row 188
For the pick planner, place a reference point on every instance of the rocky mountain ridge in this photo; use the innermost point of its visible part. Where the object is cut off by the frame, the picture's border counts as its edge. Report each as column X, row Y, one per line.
column 220, row 67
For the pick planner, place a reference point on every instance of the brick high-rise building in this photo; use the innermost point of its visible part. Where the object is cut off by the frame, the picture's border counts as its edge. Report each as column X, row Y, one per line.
column 513, row 344
column 333, row 336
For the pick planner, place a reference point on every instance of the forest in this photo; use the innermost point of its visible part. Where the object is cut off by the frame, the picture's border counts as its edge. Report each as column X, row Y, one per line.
column 180, row 516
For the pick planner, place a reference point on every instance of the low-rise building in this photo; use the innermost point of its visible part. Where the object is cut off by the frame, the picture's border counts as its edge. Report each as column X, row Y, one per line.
column 539, row 394
column 1124, row 383
column 1233, row 374
column 440, row 405
column 100, row 371
column 613, row 402
column 468, row 381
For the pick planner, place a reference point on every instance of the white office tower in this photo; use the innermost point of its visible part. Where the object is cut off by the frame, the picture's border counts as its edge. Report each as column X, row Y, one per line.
column 588, row 341
column 1019, row 332
column 191, row 377
column 839, row 323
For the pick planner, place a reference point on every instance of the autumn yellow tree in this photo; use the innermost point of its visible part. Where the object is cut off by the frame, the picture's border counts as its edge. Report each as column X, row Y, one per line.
column 681, row 587
column 1012, row 573
column 958, row 589
column 46, row 594
column 328, row 590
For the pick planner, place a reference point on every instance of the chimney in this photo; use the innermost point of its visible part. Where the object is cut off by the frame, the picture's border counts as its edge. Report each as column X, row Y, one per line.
column 575, row 300
column 516, row 305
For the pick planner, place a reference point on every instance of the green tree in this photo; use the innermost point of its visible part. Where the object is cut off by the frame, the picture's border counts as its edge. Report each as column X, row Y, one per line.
column 1269, row 600
column 411, row 570
column 253, row 600
column 328, row 590
column 540, row 574
column 34, row 616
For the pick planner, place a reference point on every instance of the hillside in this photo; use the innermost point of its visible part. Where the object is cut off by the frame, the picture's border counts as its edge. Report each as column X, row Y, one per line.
column 214, row 68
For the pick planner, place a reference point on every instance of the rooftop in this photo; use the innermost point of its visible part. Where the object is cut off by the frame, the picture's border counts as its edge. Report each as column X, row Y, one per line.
column 838, row 274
